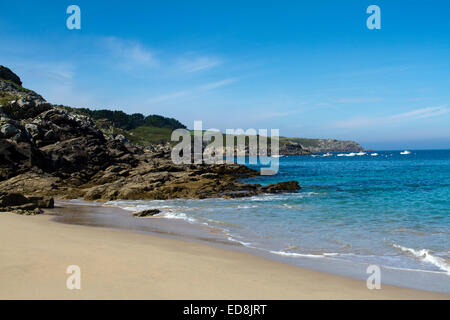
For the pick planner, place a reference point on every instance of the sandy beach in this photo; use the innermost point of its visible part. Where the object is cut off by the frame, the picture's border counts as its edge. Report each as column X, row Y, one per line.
column 117, row 264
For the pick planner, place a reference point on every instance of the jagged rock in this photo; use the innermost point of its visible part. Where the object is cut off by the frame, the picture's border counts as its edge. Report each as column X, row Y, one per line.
column 146, row 213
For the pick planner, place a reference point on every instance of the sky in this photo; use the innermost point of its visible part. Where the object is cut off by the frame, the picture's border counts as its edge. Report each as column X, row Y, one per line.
column 309, row 68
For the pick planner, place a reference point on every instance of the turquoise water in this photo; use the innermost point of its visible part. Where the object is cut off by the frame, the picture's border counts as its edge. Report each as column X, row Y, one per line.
column 390, row 209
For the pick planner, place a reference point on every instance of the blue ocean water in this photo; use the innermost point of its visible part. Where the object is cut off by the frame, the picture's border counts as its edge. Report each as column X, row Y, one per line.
column 389, row 209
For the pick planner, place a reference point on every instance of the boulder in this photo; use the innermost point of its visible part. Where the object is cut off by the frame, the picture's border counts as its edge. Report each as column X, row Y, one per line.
column 289, row 186
column 18, row 203
column 146, row 213
column 8, row 130
column 12, row 199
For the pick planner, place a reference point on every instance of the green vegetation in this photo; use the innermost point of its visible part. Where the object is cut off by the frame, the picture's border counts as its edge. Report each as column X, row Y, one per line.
column 146, row 135
column 139, row 129
column 129, row 122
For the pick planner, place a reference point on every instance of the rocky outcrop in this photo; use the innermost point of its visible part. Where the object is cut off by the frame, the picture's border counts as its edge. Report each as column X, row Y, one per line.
column 8, row 75
column 289, row 186
column 48, row 150
column 18, row 203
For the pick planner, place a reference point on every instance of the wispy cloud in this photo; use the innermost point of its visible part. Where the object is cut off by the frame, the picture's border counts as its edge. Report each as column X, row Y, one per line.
column 193, row 92
column 357, row 100
column 421, row 113
column 130, row 54
column 195, row 64
column 217, row 84
column 417, row 114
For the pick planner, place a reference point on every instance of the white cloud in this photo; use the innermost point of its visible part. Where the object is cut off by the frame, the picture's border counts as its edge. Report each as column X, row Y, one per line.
column 197, row 64
column 421, row 113
column 357, row 100
column 190, row 93
column 417, row 114
column 130, row 54
column 217, row 84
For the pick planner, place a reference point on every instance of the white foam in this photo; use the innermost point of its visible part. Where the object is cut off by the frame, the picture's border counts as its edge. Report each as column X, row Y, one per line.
column 305, row 255
column 427, row 257
column 176, row 215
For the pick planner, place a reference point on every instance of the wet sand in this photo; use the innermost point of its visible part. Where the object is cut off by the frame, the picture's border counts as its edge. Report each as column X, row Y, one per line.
column 118, row 264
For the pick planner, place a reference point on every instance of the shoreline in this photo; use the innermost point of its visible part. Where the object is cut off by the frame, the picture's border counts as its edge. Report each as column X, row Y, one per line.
column 120, row 264
column 101, row 214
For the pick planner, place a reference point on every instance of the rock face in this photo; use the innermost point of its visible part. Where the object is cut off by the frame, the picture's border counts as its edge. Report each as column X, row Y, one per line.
column 292, row 149
column 53, row 151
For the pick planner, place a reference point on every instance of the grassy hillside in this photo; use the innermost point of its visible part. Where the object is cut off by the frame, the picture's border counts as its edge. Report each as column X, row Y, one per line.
column 139, row 129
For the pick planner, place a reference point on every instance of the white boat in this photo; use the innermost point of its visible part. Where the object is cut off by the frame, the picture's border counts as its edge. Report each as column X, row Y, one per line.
column 341, row 155
column 352, row 154
column 374, row 154
column 361, row 154
column 277, row 156
column 405, row 152
column 327, row 155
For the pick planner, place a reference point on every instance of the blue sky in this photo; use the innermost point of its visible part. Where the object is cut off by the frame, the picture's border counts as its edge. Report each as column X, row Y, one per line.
column 309, row 68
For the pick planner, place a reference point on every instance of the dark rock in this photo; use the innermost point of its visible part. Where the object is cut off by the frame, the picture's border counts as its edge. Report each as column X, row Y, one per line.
column 289, row 186
column 18, row 203
column 43, row 202
column 12, row 199
column 8, row 130
column 7, row 74
column 146, row 213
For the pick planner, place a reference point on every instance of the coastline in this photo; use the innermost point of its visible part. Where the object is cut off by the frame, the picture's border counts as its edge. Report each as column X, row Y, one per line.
column 119, row 264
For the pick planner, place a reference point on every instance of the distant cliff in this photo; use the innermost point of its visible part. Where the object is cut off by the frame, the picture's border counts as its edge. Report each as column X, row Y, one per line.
column 292, row 146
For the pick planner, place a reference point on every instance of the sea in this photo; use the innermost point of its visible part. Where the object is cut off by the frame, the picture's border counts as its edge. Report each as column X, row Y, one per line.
column 390, row 209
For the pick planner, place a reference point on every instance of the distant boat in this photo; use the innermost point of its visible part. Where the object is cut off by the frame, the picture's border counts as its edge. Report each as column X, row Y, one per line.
column 341, row 155
column 361, row 154
column 374, row 154
column 277, row 156
column 405, row 152
column 352, row 154
column 327, row 155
